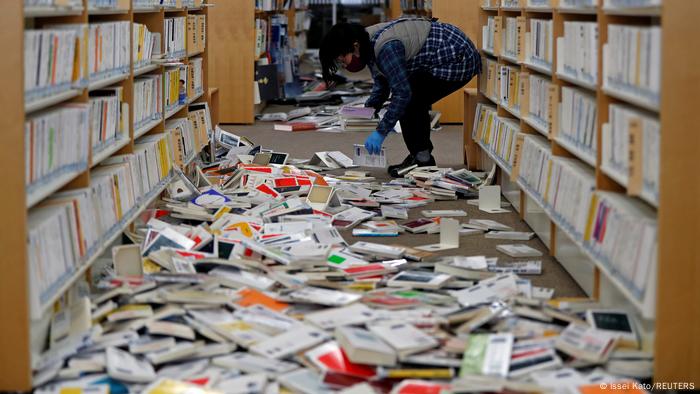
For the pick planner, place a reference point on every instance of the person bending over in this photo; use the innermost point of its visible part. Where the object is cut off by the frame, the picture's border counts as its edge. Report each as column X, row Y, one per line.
column 417, row 61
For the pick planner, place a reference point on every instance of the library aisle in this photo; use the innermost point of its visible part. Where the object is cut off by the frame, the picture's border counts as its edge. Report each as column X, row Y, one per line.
column 201, row 198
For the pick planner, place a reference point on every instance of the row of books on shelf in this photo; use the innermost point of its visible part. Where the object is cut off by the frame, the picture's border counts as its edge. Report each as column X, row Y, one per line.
column 575, row 4
column 146, row 45
column 618, row 231
column 108, row 49
column 196, row 33
column 66, row 229
column 148, row 99
column 630, row 141
column 539, row 43
column 175, row 37
column 632, row 62
column 275, row 5
column 109, row 117
column 496, row 134
column 577, row 51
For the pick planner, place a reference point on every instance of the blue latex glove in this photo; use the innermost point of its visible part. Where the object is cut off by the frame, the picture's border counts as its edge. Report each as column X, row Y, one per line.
column 374, row 142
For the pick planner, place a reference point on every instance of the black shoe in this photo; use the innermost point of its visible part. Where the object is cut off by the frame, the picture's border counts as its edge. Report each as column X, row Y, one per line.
column 405, row 163
column 395, row 170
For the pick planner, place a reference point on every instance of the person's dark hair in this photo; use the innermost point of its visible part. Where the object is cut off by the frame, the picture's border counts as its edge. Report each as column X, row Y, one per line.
column 339, row 41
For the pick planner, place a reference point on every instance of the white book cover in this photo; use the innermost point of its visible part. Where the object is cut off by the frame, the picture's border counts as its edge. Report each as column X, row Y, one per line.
column 290, row 342
column 353, row 340
column 491, row 289
column 251, row 363
column 244, row 384
column 336, row 317
column 404, row 338
column 317, row 295
column 519, row 250
column 123, row 366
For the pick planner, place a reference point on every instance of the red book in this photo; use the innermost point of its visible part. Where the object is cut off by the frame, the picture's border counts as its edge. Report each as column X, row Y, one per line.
column 295, row 126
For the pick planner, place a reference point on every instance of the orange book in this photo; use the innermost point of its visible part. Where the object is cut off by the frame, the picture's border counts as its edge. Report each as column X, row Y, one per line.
column 254, row 297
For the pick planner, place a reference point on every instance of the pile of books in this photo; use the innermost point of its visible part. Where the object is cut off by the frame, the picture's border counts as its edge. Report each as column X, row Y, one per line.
column 239, row 281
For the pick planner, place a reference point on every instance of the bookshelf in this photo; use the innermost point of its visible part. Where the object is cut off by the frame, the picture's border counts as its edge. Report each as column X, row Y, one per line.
column 21, row 340
column 672, row 280
column 233, row 57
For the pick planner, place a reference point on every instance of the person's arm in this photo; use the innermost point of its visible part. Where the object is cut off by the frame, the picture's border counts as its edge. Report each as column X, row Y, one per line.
column 380, row 92
column 392, row 62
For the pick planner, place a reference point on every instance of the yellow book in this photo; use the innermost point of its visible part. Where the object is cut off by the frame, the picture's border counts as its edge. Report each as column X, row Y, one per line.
column 117, row 195
column 592, row 213
column 171, row 386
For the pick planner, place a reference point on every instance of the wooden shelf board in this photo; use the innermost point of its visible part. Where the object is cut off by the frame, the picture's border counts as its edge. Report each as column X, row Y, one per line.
column 195, row 53
column 535, row 125
column 538, row 68
column 49, row 12
column 195, row 98
column 109, row 150
column 146, row 69
column 107, row 11
column 631, row 99
column 510, row 111
column 542, row 10
column 510, row 59
column 51, row 186
column 489, row 8
column 104, row 82
column 585, row 157
column 175, row 110
column 146, row 10
column 147, row 127
column 632, row 11
column 583, row 84
column 579, row 11
column 48, row 101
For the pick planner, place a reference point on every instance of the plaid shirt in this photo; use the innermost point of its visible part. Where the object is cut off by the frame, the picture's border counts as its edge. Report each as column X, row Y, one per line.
column 447, row 54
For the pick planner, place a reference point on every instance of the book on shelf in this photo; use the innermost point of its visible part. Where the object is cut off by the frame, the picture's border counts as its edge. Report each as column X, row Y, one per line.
column 539, row 43
column 195, row 84
column 578, row 120
column 56, row 143
column 631, row 150
column 181, row 137
column 543, row 103
column 175, row 83
column 489, row 32
column 578, row 4
column 148, row 99
column 632, row 62
column 509, row 87
column 577, row 51
column 622, row 233
column 174, row 35
column 109, row 49
column 108, row 4
column 623, row 4
column 538, row 4
column 488, row 81
column 498, row 135
column 109, row 117
column 196, row 33
column 53, row 3
column 513, row 42
column 143, row 45
column 50, row 62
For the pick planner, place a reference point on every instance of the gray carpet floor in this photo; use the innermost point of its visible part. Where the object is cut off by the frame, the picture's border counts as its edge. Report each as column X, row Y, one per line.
column 448, row 153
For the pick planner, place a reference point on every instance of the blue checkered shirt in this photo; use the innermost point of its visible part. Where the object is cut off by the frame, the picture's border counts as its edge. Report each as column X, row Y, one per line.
column 447, row 54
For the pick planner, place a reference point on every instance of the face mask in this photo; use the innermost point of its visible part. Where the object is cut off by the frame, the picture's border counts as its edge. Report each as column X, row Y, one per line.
column 355, row 65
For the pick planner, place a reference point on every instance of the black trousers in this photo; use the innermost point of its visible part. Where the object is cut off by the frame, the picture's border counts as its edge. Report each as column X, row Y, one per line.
column 415, row 123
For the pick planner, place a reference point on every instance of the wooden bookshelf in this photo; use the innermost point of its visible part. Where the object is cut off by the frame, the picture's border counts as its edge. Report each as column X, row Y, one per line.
column 674, row 320
column 232, row 63
column 16, row 339
column 463, row 14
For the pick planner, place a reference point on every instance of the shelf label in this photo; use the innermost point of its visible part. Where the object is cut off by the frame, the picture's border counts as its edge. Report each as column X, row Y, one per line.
column 636, row 156
column 524, row 89
column 516, row 158
column 497, row 27
column 520, row 47
column 553, row 110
